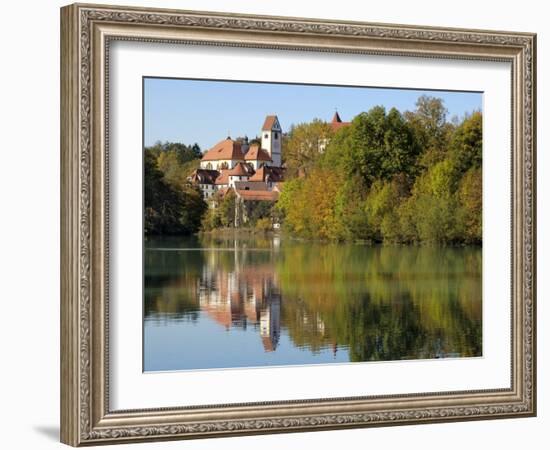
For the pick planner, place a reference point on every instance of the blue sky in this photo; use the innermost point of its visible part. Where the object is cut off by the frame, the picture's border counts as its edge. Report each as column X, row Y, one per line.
column 206, row 112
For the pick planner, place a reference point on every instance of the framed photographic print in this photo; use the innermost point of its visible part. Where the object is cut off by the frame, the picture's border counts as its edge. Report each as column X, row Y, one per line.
column 278, row 224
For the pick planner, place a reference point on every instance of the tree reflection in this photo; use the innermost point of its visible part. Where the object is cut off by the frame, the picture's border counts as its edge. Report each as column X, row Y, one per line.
column 377, row 303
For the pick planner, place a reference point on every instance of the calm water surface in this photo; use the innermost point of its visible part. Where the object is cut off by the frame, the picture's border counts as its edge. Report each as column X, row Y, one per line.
column 249, row 302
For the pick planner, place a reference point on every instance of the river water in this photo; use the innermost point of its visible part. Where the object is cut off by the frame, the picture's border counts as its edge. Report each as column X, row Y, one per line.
column 252, row 301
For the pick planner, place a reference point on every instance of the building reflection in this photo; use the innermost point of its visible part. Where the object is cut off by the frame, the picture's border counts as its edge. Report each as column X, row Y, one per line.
column 356, row 303
column 244, row 297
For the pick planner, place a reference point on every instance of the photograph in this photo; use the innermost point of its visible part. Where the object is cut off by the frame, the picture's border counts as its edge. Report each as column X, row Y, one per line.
column 297, row 224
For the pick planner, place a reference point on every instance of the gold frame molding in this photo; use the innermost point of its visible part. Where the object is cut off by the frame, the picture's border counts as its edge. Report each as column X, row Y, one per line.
column 86, row 31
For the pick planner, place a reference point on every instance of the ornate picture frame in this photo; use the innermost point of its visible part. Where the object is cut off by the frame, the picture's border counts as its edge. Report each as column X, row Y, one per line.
column 87, row 32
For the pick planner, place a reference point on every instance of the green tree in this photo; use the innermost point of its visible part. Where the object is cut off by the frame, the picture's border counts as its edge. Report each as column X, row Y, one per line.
column 467, row 143
column 381, row 210
column 304, row 145
column 431, row 129
column 350, row 219
column 226, row 209
column 429, row 214
column 308, row 205
column 183, row 152
column 169, row 165
column 470, row 205
column 376, row 146
column 192, row 210
column 263, row 224
column 170, row 207
column 211, row 220
column 161, row 202
column 256, row 211
column 329, row 202
column 291, row 204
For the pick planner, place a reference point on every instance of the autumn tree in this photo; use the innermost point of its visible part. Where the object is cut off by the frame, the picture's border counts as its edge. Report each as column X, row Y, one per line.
column 183, row 152
column 169, row 210
column 470, row 205
column 308, row 205
column 393, row 178
column 467, row 142
column 172, row 204
column 431, row 129
column 304, row 145
column 381, row 212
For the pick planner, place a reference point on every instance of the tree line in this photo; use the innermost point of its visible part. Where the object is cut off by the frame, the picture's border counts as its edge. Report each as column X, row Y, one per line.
column 387, row 177
column 171, row 204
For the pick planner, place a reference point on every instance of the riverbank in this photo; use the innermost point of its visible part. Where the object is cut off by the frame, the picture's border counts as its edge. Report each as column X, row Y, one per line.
column 247, row 232
column 238, row 232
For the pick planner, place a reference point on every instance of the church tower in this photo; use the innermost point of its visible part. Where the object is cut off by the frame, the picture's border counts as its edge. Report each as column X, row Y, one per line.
column 272, row 137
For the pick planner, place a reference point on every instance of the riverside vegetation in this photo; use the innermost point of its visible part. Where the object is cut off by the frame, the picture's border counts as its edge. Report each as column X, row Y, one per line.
column 411, row 177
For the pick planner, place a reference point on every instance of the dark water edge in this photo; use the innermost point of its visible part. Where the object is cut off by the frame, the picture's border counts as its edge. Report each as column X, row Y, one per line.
column 244, row 232
column 222, row 300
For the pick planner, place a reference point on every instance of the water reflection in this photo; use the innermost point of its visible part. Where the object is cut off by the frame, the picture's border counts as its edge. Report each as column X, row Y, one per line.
column 241, row 302
column 242, row 298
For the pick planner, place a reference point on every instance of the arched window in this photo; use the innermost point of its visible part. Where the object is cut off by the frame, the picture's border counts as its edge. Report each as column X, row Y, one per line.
column 266, row 135
column 275, row 135
column 209, row 166
column 224, row 165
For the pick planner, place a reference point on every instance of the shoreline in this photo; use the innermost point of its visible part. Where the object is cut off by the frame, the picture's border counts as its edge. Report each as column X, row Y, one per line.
column 252, row 232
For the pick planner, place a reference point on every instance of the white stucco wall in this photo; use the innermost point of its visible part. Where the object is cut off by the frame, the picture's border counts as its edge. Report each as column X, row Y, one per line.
column 218, row 164
column 272, row 145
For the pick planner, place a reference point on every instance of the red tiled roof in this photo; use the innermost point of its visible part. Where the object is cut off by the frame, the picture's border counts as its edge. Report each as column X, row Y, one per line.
column 226, row 149
column 337, row 123
column 251, row 185
column 269, row 122
column 275, row 174
column 240, row 169
column 220, row 314
column 270, row 196
column 255, row 153
column 223, row 178
column 259, row 175
column 204, row 176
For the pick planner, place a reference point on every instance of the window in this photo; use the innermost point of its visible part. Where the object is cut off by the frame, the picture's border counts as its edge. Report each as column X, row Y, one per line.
column 266, row 136
column 275, row 135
